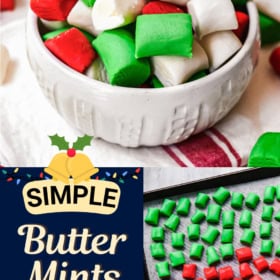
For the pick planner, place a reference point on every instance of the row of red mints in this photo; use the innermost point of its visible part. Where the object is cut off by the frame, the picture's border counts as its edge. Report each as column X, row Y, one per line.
column 244, row 255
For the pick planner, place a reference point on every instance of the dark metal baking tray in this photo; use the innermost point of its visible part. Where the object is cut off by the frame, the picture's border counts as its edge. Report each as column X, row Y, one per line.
column 208, row 184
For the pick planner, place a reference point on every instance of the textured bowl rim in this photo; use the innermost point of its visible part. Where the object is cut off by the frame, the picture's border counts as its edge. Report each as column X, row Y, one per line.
column 183, row 88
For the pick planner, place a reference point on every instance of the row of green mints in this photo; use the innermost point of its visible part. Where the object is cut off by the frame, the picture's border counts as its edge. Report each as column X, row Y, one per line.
column 213, row 216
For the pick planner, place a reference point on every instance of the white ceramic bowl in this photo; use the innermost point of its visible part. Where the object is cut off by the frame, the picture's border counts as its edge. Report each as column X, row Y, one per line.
column 135, row 117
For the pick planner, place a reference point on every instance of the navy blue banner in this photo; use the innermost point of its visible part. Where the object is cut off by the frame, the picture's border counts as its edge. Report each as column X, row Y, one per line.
column 69, row 245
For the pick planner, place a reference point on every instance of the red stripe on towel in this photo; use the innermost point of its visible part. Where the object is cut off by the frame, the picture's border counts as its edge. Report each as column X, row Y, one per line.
column 222, row 138
column 174, row 156
column 202, row 151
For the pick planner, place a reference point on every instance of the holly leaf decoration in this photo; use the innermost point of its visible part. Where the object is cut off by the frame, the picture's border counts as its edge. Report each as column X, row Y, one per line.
column 82, row 142
column 60, row 142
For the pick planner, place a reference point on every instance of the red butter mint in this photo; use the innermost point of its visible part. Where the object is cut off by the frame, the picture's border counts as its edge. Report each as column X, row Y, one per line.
column 73, row 48
column 7, row 5
column 245, row 271
column 159, row 7
column 210, row 273
column 274, row 60
column 189, row 271
column 52, row 9
column 261, row 264
column 226, row 273
column 244, row 254
column 243, row 25
column 275, row 266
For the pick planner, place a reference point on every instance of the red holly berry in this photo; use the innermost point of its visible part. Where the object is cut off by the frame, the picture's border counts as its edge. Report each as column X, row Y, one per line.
column 71, row 152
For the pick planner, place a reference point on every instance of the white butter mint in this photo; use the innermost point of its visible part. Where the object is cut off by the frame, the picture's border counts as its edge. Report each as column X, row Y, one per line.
column 97, row 71
column 5, row 59
column 220, row 46
column 53, row 24
column 270, row 8
column 109, row 14
column 80, row 16
column 209, row 16
column 175, row 70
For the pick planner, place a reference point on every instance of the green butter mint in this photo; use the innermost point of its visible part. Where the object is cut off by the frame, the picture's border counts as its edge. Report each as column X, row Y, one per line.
column 183, row 206
column 269, row 194
column 193, row 232
column 167, row 207
column 152, row 216
column 227, row 251
column 237, row 200
column 211, row 235
column 157, row 234
column 157, row 250
column 265, row 230
column 163, row 269
column 221, row 195
column 201, row 200
column 172, row 222
column 198, row 217
column 252, row 200
column 117, row 51
column 89, row 3
column 245, row 219
column 247, row 237
column 178, row 240
column 212, row 256
column 196, row 251
column 267, row 213
column 164, row 34
column 213, row 213
column 227, row 236
column 267, row 247
column 177, row 258
column 266, row 152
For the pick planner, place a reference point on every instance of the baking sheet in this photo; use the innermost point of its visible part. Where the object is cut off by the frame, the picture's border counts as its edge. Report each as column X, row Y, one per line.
column 245, row 182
